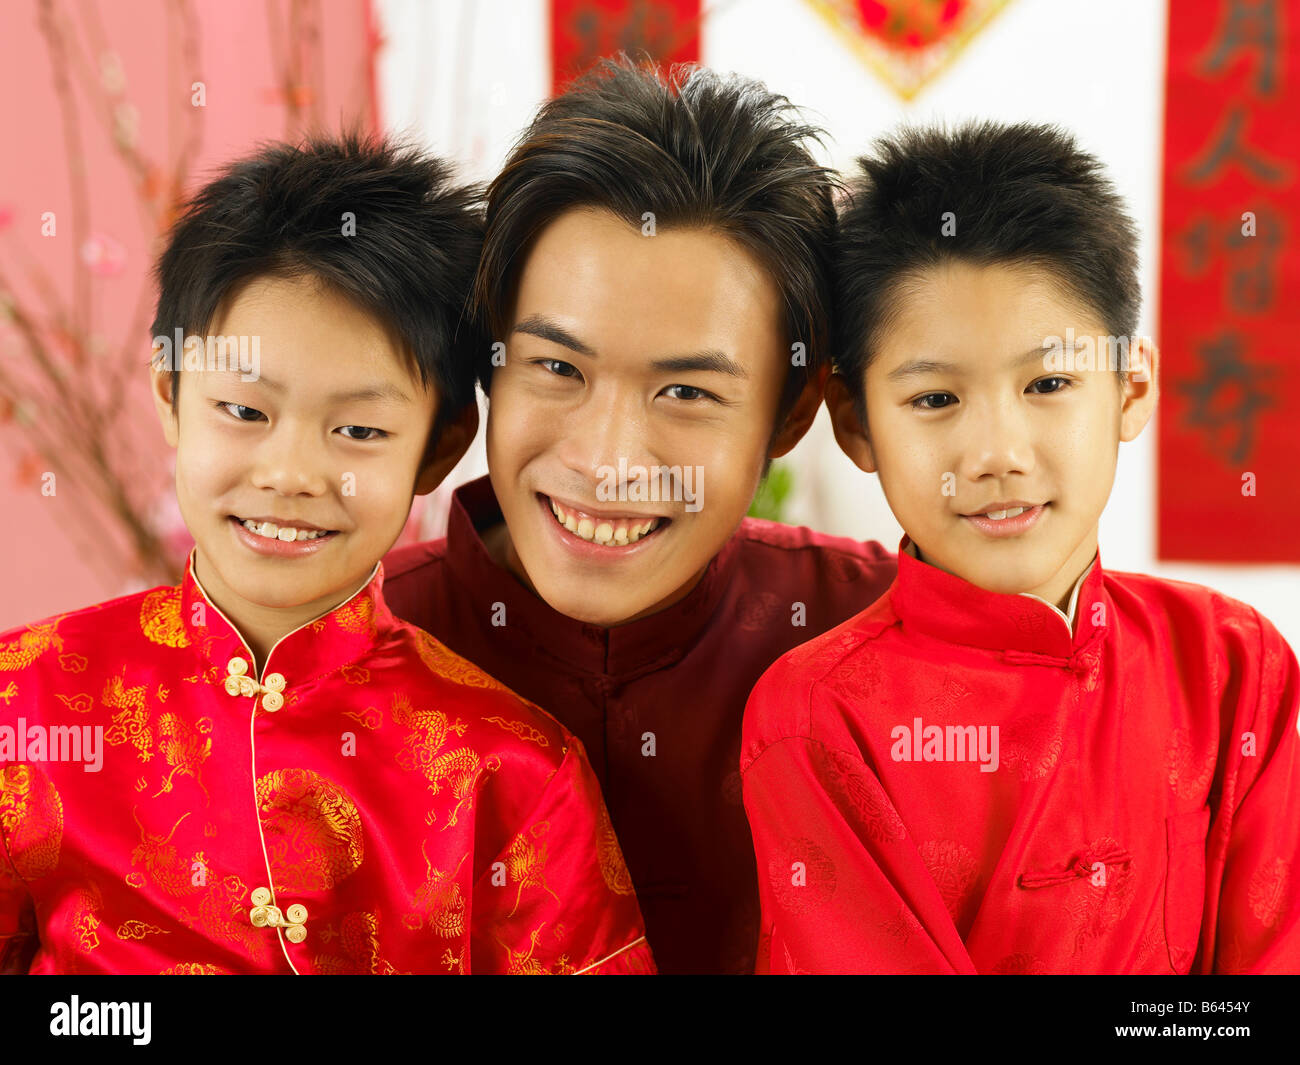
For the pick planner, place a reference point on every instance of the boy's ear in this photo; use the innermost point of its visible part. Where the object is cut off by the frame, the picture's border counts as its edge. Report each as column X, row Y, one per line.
column 1141, row 389
column 160, row 387
column 801, row 415
column 849, row 431
column 442, row 454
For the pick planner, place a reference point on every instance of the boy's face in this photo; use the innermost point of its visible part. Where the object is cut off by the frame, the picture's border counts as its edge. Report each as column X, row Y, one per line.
column 628, row 354
column 964, row 417
column 330, row 437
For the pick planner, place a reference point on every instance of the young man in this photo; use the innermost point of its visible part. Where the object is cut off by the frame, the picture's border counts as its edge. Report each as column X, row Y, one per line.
column 655, row 271
column 262, row 770
column 1016, row 761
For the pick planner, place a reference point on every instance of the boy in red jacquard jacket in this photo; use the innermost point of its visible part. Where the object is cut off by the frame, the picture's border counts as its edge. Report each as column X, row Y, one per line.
column 1015, row 761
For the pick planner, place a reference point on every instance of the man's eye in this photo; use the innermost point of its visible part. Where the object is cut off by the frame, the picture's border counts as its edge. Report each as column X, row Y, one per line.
column 558, row 367
column 687, row 393
column 934, row 401
column 238, row 410
column 369, row 433
column 1059, row 383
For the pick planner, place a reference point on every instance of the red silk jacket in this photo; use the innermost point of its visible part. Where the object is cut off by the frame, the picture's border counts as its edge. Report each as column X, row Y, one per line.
column 953, row 781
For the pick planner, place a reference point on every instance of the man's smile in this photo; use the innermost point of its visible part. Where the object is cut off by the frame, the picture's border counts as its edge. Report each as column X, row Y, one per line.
column 602, row 527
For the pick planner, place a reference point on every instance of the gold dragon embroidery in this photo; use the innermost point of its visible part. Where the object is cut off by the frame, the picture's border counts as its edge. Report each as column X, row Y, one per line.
column 458, row 770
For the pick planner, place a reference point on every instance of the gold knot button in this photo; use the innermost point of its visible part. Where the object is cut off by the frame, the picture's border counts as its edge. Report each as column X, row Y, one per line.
column 261, row 897
column 237, row 667
column 295, row 933
column 297, row 913
column 274, row 681
column 272, row 701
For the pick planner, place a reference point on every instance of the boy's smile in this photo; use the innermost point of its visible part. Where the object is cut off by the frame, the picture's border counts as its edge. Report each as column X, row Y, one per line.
column 295, row 484
column 996, row 466
column 636, row 365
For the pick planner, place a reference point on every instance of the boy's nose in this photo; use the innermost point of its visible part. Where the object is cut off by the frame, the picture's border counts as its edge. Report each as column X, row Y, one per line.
column 288, row 462
column 999, row 443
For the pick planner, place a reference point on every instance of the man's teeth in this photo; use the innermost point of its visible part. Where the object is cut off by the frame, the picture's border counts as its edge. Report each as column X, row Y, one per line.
column 998, row 515
column 286, row 533
column 621, row 532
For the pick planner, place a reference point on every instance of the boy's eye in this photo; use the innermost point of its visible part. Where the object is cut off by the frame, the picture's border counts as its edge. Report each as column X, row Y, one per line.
column 934, row 401
column 238, row 410
column 378, row 434
column 1058, row 384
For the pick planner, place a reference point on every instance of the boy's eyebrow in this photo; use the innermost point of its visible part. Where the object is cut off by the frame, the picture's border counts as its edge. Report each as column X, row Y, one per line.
column 920, row 367
column 709, row 360
column 385, row 390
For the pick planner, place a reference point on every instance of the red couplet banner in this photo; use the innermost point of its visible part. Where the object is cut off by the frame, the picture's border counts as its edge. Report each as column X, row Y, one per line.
column 1229, row 448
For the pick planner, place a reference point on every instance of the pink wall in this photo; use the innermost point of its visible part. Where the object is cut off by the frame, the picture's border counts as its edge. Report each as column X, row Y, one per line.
column 128, row 73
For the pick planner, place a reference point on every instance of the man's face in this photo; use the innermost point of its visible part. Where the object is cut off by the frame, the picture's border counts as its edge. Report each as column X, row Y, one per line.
column 328, row 439
column 996, row 466
column 636, row 366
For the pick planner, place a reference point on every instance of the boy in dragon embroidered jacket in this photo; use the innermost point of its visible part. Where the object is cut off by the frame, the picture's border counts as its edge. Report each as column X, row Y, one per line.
column 262, row 770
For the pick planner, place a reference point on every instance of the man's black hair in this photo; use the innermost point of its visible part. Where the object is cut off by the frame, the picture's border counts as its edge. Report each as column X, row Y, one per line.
column 692, row 147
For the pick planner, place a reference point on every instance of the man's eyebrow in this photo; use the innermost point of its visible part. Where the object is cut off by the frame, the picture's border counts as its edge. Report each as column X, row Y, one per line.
column 386, row 390
column 920, row 367
column 709, row 361
column 539, row 325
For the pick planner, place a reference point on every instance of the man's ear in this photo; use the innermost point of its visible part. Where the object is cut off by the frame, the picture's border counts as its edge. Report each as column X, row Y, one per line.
column 160, row 387
column 450, row 447
column 1141, row 388
column 801, row 415
column 849, row 431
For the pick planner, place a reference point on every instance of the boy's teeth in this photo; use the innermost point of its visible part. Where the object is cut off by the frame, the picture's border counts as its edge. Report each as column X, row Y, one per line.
column 998, row 515
column 288, row 534
column 620, row 533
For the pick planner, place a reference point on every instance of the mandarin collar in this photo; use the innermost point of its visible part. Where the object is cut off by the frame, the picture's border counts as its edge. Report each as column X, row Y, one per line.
column 535, row 627
column 947, row 607
column 329, row 643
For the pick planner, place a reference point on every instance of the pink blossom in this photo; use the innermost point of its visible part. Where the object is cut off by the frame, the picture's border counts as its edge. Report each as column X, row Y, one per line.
column 103, row 255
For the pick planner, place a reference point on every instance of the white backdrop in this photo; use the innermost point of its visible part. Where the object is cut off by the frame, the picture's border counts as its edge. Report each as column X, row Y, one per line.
column 464, row 76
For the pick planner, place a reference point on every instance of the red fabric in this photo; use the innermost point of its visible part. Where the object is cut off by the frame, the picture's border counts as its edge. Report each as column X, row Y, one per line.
column 1229, row 428
column 583, row 31
column 148, row 865
column 682, row 674
column 1125, row 829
